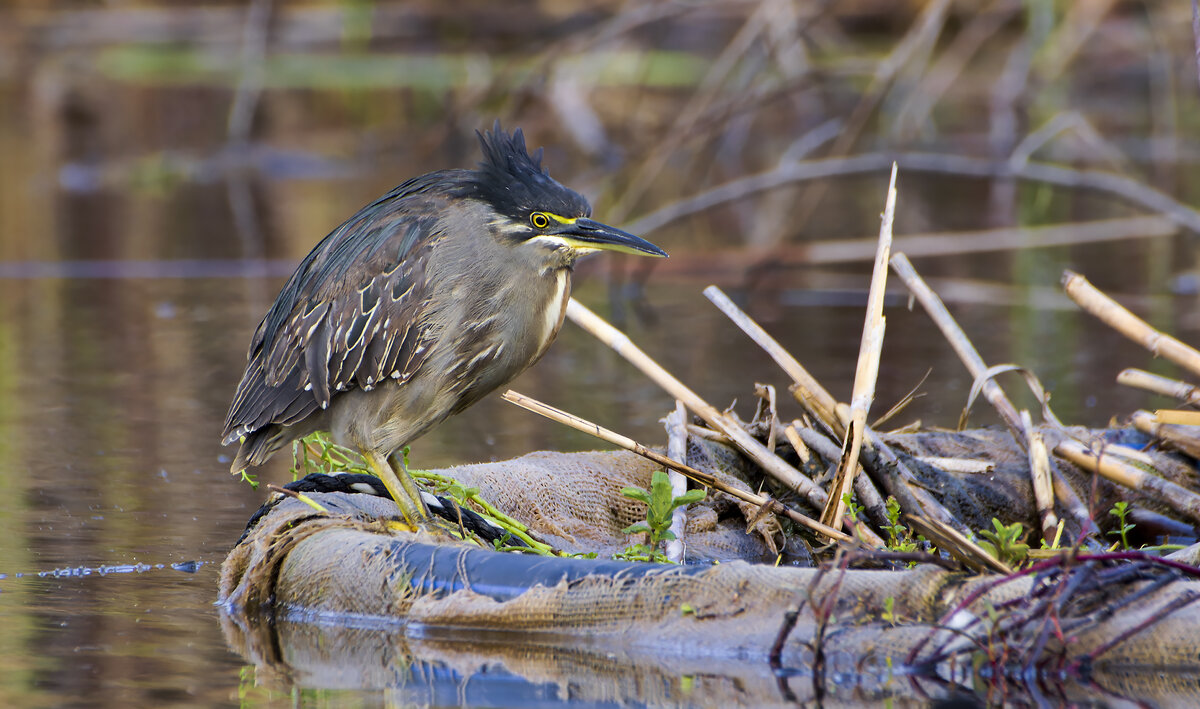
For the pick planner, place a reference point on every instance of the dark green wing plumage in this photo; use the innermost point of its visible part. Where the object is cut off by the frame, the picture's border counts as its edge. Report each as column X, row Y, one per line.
column 347, row 317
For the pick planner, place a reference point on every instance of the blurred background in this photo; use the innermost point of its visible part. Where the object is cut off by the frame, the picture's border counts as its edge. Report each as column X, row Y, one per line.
column 164, row 166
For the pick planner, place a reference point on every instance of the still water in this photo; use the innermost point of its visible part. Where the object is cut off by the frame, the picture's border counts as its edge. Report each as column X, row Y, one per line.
column 130, row 286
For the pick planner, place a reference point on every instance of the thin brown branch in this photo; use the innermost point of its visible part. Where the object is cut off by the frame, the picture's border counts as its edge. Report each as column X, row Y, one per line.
column 977, row 368
column 775, row 466
column 815, row 399
column 701, row 477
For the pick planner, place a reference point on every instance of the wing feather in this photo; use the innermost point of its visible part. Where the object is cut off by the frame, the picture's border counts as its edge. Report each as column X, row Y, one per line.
column 347, row 317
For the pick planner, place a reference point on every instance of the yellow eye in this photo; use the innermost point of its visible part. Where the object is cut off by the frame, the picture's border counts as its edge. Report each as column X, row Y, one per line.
column 539, row 220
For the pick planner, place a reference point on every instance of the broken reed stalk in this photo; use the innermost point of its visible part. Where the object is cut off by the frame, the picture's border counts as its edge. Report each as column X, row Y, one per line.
column 958, row 340
column 790, row 432
column 810, row 439
column 1174, row 435
column 866, row 373
column 1117, row 317
column 677, row 436
column 816, row 400
column 1039, row 471
column 700, row 477
column 977, row 367
column 1178, row 417
column 1176, row 497
column 775, row 466
column 1141, row 379
column 809, row 393
column 899, row 481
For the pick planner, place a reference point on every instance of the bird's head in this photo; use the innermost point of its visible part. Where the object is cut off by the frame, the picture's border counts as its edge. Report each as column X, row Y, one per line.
column 534, row 210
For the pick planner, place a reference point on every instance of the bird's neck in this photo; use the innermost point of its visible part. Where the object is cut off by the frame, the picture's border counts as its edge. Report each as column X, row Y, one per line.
column 556, row 306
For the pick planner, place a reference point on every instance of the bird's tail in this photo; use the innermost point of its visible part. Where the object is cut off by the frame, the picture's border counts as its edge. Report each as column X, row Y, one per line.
column 257, row 447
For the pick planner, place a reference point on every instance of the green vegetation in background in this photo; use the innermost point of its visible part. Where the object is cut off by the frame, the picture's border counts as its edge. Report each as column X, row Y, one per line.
column 171, row 66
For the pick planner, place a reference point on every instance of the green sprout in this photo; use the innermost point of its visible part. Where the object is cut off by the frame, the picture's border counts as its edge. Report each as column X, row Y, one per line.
column 1120, row 510
column 899, row 536
column 660, row 504
column 1005, row 542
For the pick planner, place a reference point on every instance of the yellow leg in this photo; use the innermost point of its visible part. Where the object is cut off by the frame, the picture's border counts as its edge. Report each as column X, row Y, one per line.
column 404, row 491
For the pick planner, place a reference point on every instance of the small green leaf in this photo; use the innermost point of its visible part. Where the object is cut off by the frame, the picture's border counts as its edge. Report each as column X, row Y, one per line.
column 688, row 498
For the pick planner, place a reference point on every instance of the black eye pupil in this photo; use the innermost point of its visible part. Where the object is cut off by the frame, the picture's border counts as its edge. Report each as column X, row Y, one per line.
column 540, row 221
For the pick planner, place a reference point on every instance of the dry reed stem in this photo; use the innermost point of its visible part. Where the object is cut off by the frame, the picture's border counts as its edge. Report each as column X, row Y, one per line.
column 965, row 466
column 1039, row 471
column 1117, row 317
column 708, row 434
column 991, row 390
column 809, row 393
column 1176, row 497
column 1141, row 379
column 756, row 451
column 866, row 372
column 958, row 340
column 802, row 451
column 950, row 540
column 821, row 405
column 677, row 437
column 1178, row 435
column 1177, row 417
column 868, row 495
column 701, row 477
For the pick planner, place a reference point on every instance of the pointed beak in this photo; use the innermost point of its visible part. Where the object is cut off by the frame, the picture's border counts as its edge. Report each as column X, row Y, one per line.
column 590, row 234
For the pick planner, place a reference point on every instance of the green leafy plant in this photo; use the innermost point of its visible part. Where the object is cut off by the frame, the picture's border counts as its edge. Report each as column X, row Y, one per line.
column 899, row 536
column 317, row 453
column 889, row 610
column 660, row 504
column 1120, row 510
column 853, row 509
column 1005, row 542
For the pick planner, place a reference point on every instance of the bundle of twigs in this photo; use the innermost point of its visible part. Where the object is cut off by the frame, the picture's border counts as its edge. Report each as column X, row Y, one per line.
column 867, row 464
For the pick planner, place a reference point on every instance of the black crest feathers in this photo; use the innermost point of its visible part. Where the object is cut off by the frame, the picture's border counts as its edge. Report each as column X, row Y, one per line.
column 506, row 155
column 515, row 183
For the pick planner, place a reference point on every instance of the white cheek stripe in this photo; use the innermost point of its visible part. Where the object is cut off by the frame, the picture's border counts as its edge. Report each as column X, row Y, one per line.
column 557, row 242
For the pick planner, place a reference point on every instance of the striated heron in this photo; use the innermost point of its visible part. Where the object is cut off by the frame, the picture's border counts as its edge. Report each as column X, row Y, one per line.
column 433, row 295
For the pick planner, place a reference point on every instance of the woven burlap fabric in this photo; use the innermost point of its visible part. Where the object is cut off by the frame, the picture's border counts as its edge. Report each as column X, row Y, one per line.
column 573, row 502
column 303, row 577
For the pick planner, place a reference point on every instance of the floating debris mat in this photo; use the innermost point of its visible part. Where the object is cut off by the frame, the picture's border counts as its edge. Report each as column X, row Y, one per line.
column 303, row 577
